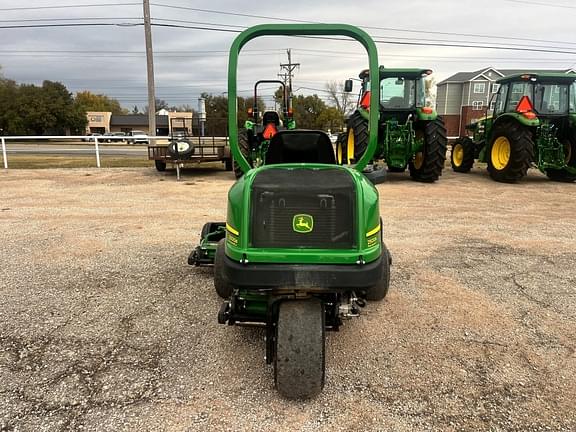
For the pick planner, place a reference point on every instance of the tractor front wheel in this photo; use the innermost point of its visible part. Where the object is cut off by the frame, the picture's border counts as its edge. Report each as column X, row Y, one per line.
column 462, row 157
column 299, row 363
column 357, row 138
column 562, row 175
column 341, row 156
column 223, row 288
column 245, row 149
column 428, row 163
column 510, row 152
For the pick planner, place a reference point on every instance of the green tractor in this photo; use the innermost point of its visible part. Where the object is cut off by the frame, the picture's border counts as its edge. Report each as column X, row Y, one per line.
column 302, row 246
column 259, row 130
column 534, row 123
column 410, row 134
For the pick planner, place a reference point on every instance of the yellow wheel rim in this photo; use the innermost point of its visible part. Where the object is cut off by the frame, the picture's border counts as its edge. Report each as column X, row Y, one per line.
column 458, row 155
column 418, row 160
column 500, row 154
column 339, row 153
column 350, row 145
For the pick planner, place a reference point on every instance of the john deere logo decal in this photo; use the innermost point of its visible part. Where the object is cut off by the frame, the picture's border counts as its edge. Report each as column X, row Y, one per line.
column 303, row 223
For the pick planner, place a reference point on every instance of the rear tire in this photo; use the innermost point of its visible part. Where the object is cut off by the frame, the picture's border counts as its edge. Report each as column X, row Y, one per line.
column 561, row 175
column 299, row 364
column 514, row 166
column 462, row 157
column 223, row 288
column 429, row 168
column 244, row 146
column 185, row 149
column 160, row 165
column 379, row 291
column 341, row 157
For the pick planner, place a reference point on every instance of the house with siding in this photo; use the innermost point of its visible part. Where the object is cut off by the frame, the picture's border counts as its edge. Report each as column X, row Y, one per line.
column 467, row 96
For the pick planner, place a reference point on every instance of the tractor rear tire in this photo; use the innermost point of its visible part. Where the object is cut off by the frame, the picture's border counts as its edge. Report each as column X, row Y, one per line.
column 299, row 363
column 561, row 175
column 245, row 149
column 379, row 291
column 357, row 137
column 510, row 153
column 160, row 165
column 223, row 288
column 462, row 157
column 427, row 165
column 341, row 156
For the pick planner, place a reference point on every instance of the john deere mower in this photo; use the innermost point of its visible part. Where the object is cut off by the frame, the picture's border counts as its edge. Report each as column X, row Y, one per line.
column 533, row 124
column 259, row 130
column 410, row 134
column 301, row 249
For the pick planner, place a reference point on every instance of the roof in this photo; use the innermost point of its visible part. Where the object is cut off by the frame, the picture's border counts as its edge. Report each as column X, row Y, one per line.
column 409, row 73
column 462, row 77
column 137, row 120
column 540, row 77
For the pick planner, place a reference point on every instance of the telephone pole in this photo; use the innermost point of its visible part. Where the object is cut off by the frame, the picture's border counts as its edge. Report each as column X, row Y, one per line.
column 289, row 69
column 150, row 70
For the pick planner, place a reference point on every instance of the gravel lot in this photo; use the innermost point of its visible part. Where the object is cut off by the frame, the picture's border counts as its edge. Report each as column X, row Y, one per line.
column 103, row 325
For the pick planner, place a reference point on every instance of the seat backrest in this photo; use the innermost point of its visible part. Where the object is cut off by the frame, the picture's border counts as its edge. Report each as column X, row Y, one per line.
column 300, row 146
column 270, row 117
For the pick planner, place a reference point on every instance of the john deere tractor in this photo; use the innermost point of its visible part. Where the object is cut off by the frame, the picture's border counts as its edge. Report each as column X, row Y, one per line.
column 260, row 128
column 302, row 248
column 533, row 124
column 410, row 134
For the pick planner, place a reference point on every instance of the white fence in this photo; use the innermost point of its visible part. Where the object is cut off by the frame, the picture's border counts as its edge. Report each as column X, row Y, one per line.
column 96, row 141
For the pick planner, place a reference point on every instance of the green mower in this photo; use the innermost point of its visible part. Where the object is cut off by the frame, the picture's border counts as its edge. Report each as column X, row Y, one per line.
column 302, row 248
column 534, row 123
column 259, row 130
column 410, row 134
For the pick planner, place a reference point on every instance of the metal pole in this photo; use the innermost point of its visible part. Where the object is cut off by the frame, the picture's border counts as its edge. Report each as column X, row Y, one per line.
column 97, row 152
column 4, row 157
column 150, row 70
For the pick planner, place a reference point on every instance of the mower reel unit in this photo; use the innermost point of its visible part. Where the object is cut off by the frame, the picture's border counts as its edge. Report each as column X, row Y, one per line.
column 259, row 130
column 302, row 247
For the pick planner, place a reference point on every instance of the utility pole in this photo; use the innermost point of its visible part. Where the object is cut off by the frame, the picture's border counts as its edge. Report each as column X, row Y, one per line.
column 150, row 70
column 289, row 70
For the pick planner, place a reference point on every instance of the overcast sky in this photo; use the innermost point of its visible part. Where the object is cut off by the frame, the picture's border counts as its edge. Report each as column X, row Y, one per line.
column 111, row 59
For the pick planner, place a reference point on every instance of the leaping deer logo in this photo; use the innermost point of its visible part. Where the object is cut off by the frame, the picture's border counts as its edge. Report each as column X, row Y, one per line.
column 302, row 223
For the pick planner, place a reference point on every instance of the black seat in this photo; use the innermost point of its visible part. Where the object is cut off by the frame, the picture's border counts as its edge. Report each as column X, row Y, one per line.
column 300, row 146
column 271, row 117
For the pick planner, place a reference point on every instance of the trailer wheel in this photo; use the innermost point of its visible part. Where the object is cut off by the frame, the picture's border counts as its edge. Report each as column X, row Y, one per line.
column 428, row 164
column 228, row 166
column 379, row 291
column 245, row 149
column 462, row 157
column 510, row 153
column 223, row 288
column 160, row 165
column 299, row 363
column 562, row 175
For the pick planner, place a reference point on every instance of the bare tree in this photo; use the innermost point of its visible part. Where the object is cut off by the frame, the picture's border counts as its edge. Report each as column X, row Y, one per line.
column 342, row 100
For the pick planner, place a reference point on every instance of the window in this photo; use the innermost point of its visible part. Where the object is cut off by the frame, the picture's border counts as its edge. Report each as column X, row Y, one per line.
column 397, row 93
column 517, row 90
column 477, row 105
column 479, row 87
column 501, row 99
column 492, row 105
column 495, row 87
column 97, row 118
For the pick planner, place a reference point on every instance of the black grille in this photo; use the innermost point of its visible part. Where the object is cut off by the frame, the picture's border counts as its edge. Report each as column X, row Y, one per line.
column 327, row 195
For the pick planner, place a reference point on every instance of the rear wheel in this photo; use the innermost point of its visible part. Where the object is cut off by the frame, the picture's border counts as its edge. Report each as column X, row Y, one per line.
column 223, row 288
column 563, row 175
column 428, row 163
column 160, row 165
column 462, row 157
column 379, row 291
column 510, row 153
column 299, row 363
column 357, row 137
column 245, row 149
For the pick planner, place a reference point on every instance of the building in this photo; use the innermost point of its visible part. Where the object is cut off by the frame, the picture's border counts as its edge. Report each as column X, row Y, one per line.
column 467, row 96
column 102, row 122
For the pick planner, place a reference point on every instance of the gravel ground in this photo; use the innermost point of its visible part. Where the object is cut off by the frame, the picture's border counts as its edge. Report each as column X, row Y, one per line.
column 103, row 325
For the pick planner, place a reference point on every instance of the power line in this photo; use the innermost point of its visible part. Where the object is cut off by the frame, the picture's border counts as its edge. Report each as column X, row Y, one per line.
column 554, row 5
column 69, row 6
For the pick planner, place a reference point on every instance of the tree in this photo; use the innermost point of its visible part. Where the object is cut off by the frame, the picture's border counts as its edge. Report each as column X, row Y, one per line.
column 342, row 100
column 89, row 101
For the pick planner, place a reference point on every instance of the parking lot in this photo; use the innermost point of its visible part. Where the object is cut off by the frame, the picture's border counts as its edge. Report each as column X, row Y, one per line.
column 103, row 325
